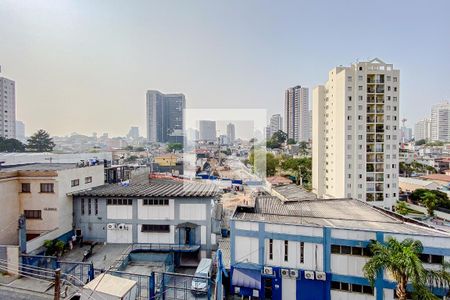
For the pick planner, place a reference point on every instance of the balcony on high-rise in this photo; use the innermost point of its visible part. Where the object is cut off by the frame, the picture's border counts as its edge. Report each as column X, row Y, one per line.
column 380, row 89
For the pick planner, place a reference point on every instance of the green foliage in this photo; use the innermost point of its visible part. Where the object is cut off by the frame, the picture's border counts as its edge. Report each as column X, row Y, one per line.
column 421, row 142
column 276, row 140
column 139, row 149
column 291, row 142
column 301, row 168
column 11, row 145
column 423, row 196
column 40, row 142
column 435, row 143
column 303, row 148
column 226, row 151
column 131, row 158
column 401, row 208
column 260, row 165
column 415, row 167
column 174, row 147
column 402, row 261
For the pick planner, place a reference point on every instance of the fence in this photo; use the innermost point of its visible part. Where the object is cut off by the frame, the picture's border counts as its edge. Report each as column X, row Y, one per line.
column 175, row 286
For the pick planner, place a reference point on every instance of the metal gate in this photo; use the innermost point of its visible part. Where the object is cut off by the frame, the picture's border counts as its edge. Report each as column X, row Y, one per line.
column 175, row 286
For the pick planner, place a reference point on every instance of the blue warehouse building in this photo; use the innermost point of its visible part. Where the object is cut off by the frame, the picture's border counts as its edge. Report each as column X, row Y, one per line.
column 315, row 249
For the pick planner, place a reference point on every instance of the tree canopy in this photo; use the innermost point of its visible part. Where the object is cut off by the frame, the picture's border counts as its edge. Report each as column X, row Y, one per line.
column 401, row 259
column 431, row 199
column 40, row 142
column 277, row 139
column 301, row 168
column 11, row 145
column 174, row 147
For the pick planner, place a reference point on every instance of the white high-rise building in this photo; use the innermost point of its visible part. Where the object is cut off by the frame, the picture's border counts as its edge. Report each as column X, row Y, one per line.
column 7, row 108
column 356, row 133
column 20, row 131
column 276, row 123
column 207, row 130
column 422, row 130
column 296, row 113
column 440, row 122
column 231, row 133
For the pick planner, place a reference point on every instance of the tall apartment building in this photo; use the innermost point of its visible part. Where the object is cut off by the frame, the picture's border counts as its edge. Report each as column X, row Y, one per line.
column 7, row 108
column 296, row 113
column 165, row 117
column 207, row 130
column 276, row 123
column 422, row 130
column 356, row 133
column 231, row 132
column 440, row 122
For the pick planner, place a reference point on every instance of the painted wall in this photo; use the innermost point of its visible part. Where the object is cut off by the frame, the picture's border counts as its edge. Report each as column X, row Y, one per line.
column 156, row 237
column 156, row 212
column 10, row 211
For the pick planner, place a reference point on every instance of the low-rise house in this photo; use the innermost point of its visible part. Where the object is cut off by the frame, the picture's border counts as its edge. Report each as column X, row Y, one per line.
column 440, row 179
column 41, row 192
column 409, row 184
column 172, row 215
column 316, row 249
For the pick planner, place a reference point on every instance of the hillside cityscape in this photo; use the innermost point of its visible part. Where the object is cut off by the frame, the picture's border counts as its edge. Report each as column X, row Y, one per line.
column 337, row 189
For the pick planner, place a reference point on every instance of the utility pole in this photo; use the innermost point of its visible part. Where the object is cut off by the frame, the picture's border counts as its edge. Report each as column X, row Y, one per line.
column 57, row 294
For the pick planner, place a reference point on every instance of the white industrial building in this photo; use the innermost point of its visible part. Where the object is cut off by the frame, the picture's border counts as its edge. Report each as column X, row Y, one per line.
column 171, row 215
column 7, row 108
column 40, row 192
column 356, row 133
column 316, row 249
column 296, row 113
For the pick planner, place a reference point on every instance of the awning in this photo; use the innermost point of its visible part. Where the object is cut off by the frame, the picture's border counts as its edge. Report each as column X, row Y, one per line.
column 246, row 278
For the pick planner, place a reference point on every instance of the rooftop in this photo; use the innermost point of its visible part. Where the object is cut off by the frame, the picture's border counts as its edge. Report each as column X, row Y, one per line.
column 141, row 187
column 438, row 177
column 334, row 213
column 38, row 167
column 292, row 192
column 111, row 285
column 415, row 181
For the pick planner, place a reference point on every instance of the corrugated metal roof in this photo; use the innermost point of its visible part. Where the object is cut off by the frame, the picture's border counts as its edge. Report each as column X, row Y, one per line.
column 293, row 192
column 336, row 213
column 153, row 188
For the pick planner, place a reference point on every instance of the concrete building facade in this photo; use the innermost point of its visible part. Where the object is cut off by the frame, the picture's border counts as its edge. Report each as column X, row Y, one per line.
column 276, row 123
column 440, row 122
column 165, row 120
column 356, row 133
column 207, row 130
column 41, row 193
column 231, row 133
column 314, row 249
column 7, row 108
column 422, row 130
column 296, row 113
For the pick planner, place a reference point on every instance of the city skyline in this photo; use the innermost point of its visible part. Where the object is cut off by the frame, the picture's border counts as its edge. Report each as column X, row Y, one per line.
column 64, row 61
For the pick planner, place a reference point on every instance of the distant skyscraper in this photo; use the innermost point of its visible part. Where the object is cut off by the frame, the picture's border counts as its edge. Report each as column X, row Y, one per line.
column 207, row 130
column 20, row 131
column 422, row 130
column 231, row 133
column 7, row 108
column 405, row 134
column 165, row 117
column 296, row 113
column 356, row 133
column 133, row 133
column 276, row 124
column 440, row 122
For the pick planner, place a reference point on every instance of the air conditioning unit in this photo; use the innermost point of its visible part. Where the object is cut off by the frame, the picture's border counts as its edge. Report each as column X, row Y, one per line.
column 321, row 276
column 284, row 272
column 309, row 275
column 293, row 273
column 111, row 226
column 268, row 271
column 122, row 226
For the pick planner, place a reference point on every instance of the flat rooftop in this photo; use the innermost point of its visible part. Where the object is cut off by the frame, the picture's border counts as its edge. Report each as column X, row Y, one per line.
column 334, row 213
column 38, row 167
column 293, row 192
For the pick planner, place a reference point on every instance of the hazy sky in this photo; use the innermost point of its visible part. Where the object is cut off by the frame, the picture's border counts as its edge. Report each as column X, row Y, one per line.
column 85, row 66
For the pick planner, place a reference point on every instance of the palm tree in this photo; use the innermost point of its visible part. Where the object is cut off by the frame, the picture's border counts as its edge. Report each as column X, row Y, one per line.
column 402, row 261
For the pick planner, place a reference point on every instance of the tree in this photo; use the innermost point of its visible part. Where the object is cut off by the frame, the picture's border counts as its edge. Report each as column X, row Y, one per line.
column 421, row 142
column 279, row 137
column 11, row 145
column 402, row 261
column 303, row 148
column 174, row 147
column 301, row 168
column 430, row 201
column 401, row 208
column 262, row 166
column 442, row 199
column 40, row 142
column 291, row 142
